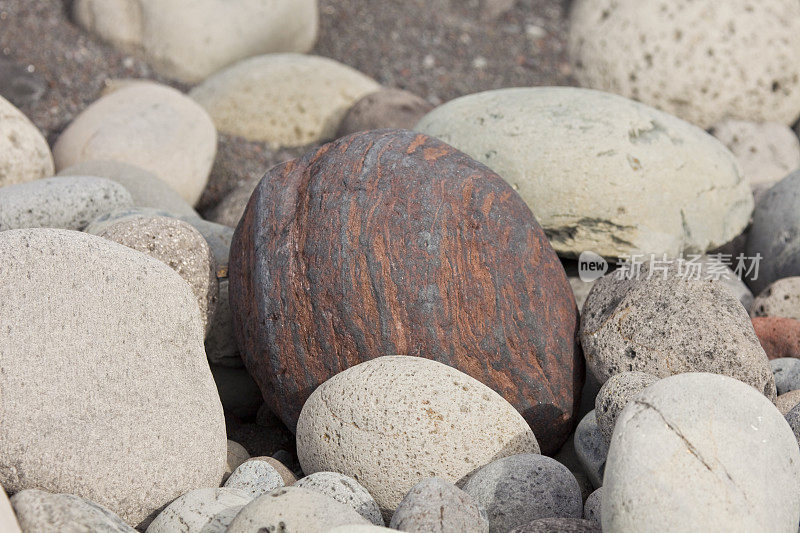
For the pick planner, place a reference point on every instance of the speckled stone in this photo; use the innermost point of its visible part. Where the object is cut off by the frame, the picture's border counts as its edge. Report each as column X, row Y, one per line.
column 558, row 525
column 663, row 322
column 591, row 448
column 237, row 455
column 591, row 507
column 287, row 475
column 179, row 246
column 294, row 509
column 780, row 337
column 201, row 511
column 345, row 490
column 66, row 203
column 24, row 154
column 145, row 188
column 615, row 394
column 421, row 420
column 433, row 504
column 518, row 489
column 787, row 401
column 787, row 374
column 42, row 512
column 255, row 477
column 780, row 299
column 386, row 108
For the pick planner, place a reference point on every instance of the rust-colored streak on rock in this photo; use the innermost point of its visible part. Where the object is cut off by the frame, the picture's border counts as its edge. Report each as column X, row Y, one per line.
column 391, row 242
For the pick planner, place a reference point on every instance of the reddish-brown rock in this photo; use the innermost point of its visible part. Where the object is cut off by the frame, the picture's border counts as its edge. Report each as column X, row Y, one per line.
column 780, row 337
column 391, row 242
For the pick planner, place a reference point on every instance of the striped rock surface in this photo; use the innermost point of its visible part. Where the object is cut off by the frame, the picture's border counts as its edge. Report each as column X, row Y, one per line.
column 391, row 242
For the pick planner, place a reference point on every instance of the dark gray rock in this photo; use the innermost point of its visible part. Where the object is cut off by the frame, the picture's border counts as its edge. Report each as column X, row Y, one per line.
column 518, row 489
column 591, row 448
column 433, row 504
column 615, row 394
column 591, row 507
column 787, row 374
column 19, row 86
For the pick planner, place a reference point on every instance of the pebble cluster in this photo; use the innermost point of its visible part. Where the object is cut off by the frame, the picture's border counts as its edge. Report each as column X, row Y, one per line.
column 399, row 329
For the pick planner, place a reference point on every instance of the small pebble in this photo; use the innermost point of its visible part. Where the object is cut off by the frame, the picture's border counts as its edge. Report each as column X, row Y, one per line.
column 345, row 490
column 255, row 477
column 433, row 504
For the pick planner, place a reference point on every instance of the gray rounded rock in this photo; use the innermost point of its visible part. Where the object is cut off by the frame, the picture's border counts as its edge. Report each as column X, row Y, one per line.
column 102, row 351
column 201, row 511
column 230, row 210
column 433, row 504
column 518, row 489
column 344, row 489
column 146, row 189
column 386, row 108
column 781, row 299
column 701, row 452
column 178, row 245
column 591, row 448
column 591, row 507
column 66, row 203
column 615, row 394
column 664, row 322
column 787, row 374
column 775, row 233
column 558, row 525
column 42, row 512
column 255, row 477
column 294, row 510
column 101, row 223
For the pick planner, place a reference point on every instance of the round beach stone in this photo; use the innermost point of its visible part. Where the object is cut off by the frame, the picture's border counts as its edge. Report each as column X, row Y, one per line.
column 766, row 152
column 787, row 374
column 41, row 512
column 591, row 448
column 24, row 154
column 293, row 509
column 345, row 490
column 237, row 454
column 255, row 477
column 189, row 42
column 145, row 188
column 615, row 394
column 701, row 452
column 201, row 511
column 386, row 108
column 775, row 233
column 393, row 421
column 780, row 337
column 703, row 61
column 601, row 172
column 397, row 232
column 103, row 345
column 434, row 504
column 283, row 99
column 780, row 299
column 787, row 401
column 522, row 488
column 664, row 322
column 558, row 525
column 591, row 507
column 229, row 211
column 179, row 246
column 66, row 203
column 148, row 125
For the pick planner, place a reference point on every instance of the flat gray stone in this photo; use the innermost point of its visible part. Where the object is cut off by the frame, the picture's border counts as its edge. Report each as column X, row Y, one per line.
column 42, row 512
column 345, row 490
column 66, row 203
column 518, row 489
column 615, row 394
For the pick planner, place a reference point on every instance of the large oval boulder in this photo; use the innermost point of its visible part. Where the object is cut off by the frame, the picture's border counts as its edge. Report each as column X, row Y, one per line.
column 702, row 60
column 106, row 391
column 601, row 172
column 391, row 242
column 393, row 421
column 701, row 452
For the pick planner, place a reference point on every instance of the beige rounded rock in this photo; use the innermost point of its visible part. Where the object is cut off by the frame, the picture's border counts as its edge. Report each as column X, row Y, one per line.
column 102, row 352
column 190, row 40
column 148, row 125
column 146, row 189
column 602, row 173
column 24, row 154
column 393, row 421
column 787, row 401
column 283, row 99
column 766, row 152
column 236, row 456
column 294, row 510
column 781, row 298
column 702, row 60
column 179, row 246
